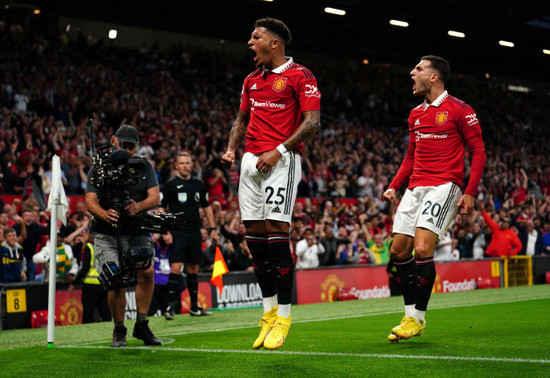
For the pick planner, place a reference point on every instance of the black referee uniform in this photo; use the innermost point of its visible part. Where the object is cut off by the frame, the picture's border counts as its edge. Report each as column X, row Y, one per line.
column 188, row 196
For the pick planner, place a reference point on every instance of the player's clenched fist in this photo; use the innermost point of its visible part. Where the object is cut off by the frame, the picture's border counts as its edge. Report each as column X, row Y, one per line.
column 389, row 195
column 227, row 159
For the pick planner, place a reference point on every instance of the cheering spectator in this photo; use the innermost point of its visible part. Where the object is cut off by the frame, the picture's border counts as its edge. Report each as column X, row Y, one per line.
column 216, row 184
column 530, row 237
column 66, row 264
column 12, row 260
column 444, row 248
column 504, row 241
column 308, row 250
column 32, row 241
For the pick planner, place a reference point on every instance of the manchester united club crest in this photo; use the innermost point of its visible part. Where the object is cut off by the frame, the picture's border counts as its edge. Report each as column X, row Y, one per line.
column 441, row 117
column 279, row 84
column 330, row 287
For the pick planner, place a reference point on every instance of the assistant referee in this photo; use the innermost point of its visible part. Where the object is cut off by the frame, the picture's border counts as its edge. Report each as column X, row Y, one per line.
column 183, row 193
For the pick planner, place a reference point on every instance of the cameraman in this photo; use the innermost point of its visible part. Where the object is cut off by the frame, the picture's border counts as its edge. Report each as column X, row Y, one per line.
column 144, row 195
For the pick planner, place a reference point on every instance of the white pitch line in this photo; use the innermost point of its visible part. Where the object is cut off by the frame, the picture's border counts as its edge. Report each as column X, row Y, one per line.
column 328, row 354
column 360, row 315
column 92, row 344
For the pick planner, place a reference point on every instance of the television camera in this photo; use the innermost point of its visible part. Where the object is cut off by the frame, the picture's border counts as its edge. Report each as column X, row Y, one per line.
column 115, row 174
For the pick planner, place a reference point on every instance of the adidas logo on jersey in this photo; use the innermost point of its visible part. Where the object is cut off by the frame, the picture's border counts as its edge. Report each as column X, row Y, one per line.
column 276, row 210
column 253, row 87
column 417, row 122
column 430, row 220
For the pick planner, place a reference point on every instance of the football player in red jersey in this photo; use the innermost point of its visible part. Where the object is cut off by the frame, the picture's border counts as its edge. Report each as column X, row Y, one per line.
column 280, row 109
column 439, row 129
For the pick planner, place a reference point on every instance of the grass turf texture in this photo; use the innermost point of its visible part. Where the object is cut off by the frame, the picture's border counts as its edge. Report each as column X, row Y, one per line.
column 492, row 333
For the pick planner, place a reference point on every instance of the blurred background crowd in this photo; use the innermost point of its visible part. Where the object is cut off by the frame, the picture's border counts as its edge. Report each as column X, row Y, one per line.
column 186, row 98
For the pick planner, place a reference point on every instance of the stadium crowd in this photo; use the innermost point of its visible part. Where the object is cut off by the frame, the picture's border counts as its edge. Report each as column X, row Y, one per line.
column 186, row 99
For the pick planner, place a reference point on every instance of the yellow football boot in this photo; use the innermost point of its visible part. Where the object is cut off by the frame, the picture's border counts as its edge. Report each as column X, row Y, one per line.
column 410, row 328
column 265, row 323
column 277, row 336
column 392, row 337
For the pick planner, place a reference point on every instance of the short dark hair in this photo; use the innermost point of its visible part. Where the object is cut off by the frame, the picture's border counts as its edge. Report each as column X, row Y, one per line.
column 275, row 26
column 9, row 230
column 441, row 65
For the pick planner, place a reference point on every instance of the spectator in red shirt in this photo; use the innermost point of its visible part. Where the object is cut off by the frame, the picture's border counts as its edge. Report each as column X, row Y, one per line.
column 234, row 180
column 504, row 241
column 519, row 194
column 216, row 184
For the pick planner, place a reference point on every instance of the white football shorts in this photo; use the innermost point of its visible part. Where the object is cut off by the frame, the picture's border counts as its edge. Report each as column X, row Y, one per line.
column 269, row 195
column 429, row 207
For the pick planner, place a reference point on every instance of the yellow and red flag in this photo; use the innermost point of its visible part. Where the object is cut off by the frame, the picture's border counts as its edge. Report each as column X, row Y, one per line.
column 219, row 270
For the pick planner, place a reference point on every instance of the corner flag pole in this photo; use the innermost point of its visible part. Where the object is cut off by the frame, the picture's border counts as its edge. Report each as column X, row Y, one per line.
column 58, row 206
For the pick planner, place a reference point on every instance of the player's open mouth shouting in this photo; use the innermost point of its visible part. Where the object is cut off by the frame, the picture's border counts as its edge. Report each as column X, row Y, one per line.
column 259, row 44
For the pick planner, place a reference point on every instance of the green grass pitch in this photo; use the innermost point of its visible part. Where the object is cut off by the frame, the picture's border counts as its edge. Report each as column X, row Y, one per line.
column 482, row 333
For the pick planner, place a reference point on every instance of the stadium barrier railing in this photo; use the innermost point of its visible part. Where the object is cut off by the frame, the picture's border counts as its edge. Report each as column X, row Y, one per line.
column 518, row 271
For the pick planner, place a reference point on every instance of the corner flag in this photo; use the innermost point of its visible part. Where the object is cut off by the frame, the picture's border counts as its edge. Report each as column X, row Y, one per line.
column 57, row 206
column 219, row 270
column 57, row 196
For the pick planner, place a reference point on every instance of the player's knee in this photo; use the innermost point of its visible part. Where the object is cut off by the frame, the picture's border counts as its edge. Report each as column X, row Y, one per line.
column 423, row 250
column 398, row 254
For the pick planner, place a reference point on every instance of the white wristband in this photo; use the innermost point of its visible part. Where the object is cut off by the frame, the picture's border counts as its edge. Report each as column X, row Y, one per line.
column 282, row 149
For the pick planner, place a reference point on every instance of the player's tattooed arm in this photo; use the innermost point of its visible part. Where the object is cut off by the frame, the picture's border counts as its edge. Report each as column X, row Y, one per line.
column 238, row 131
column 236, row 137
column 309, row 126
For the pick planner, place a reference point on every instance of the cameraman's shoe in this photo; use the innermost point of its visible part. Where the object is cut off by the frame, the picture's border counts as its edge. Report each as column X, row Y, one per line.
column 170, row 313
column 119, row 337
column 199, row 311
column 142, row 332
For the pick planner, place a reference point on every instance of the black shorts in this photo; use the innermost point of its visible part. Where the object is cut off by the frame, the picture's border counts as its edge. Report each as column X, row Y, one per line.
column 187, row 247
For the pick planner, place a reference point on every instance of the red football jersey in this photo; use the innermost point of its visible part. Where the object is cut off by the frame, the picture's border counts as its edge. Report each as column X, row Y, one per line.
column 276, row 100
column 438, row 133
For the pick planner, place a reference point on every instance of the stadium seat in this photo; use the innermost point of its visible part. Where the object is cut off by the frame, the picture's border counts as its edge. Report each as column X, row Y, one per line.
column 39, row 319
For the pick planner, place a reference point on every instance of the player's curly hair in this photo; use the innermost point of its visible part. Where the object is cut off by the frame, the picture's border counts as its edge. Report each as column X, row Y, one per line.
column 275, row 26
column 439, row 64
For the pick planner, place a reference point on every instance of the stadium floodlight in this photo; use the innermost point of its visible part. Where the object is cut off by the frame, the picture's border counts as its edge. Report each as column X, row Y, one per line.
column 338, row 12
column 403, row 24
column 546, row 51
column 506, row 43
column 457, row 34
column 113, row 34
